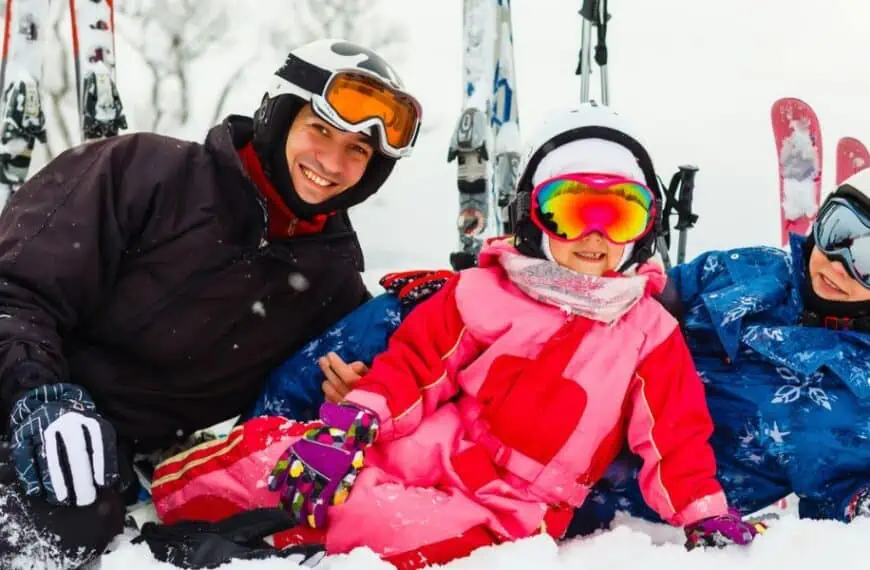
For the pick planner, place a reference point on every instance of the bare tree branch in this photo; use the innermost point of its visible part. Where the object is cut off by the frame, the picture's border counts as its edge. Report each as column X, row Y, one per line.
column 228, row 87
column 354, row 20
column 169, row 36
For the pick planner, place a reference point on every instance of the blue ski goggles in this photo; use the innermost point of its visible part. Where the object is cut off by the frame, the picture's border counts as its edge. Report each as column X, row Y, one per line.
column 842, row 233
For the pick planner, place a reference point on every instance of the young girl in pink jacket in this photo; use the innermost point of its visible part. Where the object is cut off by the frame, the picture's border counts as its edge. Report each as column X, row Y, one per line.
column 502, row 399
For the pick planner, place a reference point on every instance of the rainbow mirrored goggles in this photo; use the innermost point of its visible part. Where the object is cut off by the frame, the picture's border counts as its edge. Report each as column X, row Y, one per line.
column 354, row 100
column 572, row 206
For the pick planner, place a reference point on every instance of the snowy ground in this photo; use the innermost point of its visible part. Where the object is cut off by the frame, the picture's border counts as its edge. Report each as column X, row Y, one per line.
column 789, row 543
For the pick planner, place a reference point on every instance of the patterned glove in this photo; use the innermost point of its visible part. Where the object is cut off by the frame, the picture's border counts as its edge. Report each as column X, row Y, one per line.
column 319, row 469
column 722, row 530
column 61, row 446
column 412, row 287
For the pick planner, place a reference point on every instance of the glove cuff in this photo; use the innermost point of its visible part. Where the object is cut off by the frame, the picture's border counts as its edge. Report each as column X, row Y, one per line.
column 77, row 398
column 359, row 423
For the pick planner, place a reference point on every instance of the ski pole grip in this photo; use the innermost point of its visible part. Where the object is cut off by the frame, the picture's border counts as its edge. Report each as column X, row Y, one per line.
column 686, row 219
column 591, row 10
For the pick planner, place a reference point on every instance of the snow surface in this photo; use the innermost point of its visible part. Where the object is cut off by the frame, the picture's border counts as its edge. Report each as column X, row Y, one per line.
column 789, row 543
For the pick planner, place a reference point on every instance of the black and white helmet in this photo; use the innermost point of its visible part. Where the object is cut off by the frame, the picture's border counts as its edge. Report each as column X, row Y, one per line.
column 308, row 67
column 304, row 73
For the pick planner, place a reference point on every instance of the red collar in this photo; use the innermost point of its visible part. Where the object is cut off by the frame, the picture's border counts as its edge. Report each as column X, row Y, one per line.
column 282, row 222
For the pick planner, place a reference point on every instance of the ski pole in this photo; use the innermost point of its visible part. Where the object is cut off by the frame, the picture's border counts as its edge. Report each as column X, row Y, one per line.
column 584, row 66
column 662, row 248
column 685, row 217
column 593, row 14
column 601, row 53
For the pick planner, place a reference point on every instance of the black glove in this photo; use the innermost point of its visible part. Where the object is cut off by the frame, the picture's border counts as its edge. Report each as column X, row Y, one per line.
column 200, row 544
column 61, row 446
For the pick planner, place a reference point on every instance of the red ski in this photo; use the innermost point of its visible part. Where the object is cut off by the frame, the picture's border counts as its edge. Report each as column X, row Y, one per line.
column 798, row 140
column 852, row 157
column 101, row 113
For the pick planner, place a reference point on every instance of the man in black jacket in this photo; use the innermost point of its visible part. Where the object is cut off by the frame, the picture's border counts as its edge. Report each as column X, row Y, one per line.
column 148, row 285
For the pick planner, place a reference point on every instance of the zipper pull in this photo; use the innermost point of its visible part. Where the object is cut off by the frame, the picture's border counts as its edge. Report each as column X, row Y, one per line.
column 291, row 227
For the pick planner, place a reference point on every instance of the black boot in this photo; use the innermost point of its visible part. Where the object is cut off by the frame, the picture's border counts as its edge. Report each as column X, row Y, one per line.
column 201, row 544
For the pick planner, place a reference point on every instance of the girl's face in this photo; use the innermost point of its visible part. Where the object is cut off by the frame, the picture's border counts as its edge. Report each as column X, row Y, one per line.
column 832, row 282
column 592, row 254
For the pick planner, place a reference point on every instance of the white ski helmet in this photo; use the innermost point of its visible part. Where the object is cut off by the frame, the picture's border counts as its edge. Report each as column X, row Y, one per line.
column 303, row 75
column 623, row 154
column 856, row 187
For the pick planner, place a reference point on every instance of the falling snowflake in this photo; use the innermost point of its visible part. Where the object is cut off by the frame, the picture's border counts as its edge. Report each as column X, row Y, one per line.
column 297, row 282
column 258, row 309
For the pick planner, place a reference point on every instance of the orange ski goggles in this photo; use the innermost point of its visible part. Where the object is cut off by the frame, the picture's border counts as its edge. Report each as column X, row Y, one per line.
column 355, row 100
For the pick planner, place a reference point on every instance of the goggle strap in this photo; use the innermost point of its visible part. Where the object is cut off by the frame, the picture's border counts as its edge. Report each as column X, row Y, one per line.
column 813, row 319
column 306, row 75
column 852, row 193
column 520, row 208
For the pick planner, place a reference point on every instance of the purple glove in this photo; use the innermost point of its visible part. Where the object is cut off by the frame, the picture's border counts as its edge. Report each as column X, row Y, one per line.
column 722, row 530
column 319, row 469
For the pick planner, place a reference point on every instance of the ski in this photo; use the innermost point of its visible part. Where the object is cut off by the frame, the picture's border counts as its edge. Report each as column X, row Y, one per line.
column 101, row 113
column 504, row 117
column 798, row 140
column 470, row 145
column 20, row 74
column 852, row 157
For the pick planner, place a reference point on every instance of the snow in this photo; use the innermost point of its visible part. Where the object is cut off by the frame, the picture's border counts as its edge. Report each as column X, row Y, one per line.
column 478, row 19
column 799, row 160
column 508, row 139
column 789, row 543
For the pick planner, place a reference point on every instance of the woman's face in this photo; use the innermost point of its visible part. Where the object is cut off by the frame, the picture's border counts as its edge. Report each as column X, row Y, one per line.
column 832, row 282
